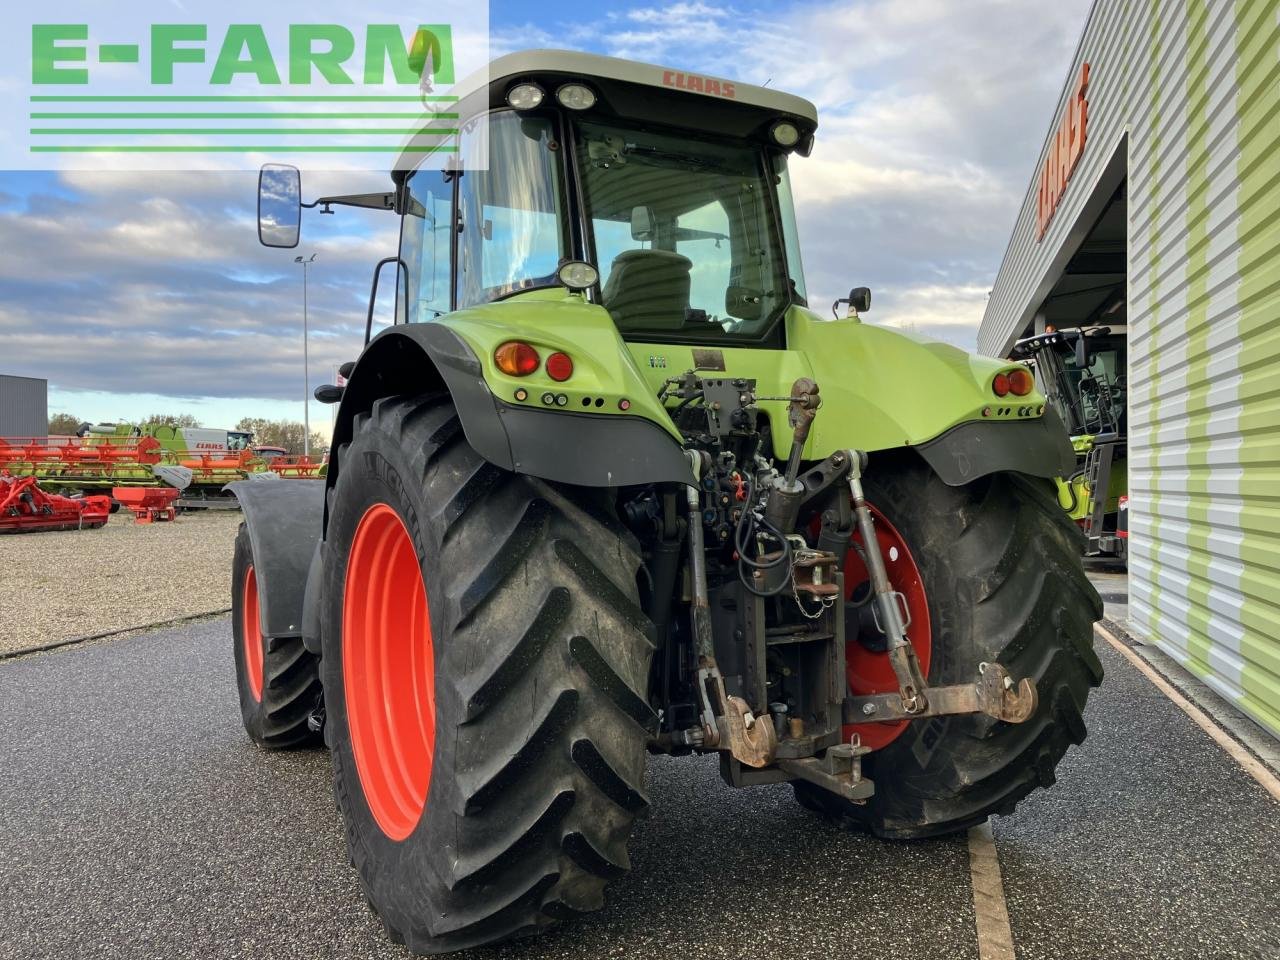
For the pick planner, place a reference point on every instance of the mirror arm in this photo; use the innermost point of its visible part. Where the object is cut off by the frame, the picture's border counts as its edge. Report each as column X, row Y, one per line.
column 373, row 294
column 370, row 201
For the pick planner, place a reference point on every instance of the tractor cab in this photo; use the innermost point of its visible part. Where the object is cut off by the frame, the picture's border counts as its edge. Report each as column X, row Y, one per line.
column 661, row 196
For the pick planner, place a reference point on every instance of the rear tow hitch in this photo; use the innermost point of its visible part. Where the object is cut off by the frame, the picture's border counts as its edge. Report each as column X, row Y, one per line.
column 839, row 770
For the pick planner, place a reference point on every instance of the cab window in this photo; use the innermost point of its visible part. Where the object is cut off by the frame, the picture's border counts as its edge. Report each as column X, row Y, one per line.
column 685, row 235
column 510, row 224
column 425, row 233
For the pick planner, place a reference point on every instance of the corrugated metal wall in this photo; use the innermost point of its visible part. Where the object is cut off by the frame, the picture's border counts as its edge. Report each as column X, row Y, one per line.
column 1197, row 85
column 24, row 406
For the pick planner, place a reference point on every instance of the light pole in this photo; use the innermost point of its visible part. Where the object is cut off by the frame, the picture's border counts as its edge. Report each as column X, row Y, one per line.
column 306, row 363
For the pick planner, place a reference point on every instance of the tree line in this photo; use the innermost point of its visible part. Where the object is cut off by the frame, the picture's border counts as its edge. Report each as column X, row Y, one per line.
column 282, row 433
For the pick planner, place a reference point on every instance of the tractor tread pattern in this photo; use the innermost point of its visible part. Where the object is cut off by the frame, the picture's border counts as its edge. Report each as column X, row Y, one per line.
column 1018, row 554
column 290, row 677
column 547, row 659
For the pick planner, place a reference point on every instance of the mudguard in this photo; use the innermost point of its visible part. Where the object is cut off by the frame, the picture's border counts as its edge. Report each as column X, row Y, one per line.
column 1040, row 448
column 566, row 447
column 284, row 520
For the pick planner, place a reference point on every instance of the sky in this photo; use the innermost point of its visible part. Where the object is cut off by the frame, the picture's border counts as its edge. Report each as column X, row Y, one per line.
column 144, row 293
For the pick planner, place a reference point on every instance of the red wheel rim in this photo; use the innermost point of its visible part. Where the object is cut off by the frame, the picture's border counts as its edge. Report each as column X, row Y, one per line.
column 869, row 671
column 251, row 631
column 388, row 671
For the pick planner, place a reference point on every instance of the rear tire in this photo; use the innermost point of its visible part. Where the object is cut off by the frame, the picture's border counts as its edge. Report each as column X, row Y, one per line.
column 539, row 660
column 1000, row 561
column 277, row 679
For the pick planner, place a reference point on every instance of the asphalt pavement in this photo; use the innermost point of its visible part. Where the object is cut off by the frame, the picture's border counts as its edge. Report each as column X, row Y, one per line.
column 137, row 821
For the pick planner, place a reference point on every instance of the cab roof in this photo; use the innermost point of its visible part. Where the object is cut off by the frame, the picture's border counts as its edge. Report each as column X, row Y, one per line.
column 531, row 64
column 630, row 92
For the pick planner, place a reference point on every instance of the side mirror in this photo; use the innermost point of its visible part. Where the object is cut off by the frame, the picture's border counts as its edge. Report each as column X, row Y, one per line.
column 641, row 223
column 859, row 301
column 279, row 205
column 1082, row 353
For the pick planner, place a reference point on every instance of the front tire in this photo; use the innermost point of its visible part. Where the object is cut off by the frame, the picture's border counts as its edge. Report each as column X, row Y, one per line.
column 493, row 620
column 1001, row 568
column 277, row 679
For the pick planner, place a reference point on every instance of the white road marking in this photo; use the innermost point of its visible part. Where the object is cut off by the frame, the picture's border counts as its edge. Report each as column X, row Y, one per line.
column 1251, row 764
column 995, row 938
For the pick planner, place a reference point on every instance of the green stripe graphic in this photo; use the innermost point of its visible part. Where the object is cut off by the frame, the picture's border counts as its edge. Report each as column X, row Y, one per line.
column 239, row 99
column 259, row 115
column 263, row 148
column 118, row 53
column 237, row 131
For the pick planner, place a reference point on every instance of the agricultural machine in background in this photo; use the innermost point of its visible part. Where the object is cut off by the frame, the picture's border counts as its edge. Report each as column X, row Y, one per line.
column 70, row 464
column 214, row 457
column 197, row 461
column 26, row 508
column 1083, row 374
column 608, row 486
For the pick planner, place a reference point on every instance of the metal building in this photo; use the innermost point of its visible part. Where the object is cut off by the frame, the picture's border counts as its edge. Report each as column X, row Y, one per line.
column 1155, row 205
column 24, row 406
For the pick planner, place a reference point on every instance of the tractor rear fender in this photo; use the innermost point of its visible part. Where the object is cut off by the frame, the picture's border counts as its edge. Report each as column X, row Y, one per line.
column 884, row 388
column 1038, row 447
column 284, row 519
column 583, row 448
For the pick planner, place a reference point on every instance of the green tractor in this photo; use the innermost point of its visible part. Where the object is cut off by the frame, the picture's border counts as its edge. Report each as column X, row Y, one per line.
column 608, row 486
column 1083, row 373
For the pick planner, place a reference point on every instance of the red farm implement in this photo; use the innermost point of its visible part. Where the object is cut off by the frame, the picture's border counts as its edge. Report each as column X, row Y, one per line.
column 70, row 462
column 25, row 508
column 149, row 504
column 296, row 468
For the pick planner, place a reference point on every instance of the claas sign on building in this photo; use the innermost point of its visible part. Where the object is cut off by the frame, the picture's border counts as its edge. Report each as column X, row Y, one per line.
column 1064, row 153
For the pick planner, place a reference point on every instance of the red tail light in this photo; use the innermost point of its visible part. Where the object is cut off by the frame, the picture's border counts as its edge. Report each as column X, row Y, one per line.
column 559, row 367
column 1000, row 385
column 1020, row 382
column 516, row 358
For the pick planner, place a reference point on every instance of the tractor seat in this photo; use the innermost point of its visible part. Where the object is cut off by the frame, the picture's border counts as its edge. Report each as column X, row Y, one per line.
column 648, row 290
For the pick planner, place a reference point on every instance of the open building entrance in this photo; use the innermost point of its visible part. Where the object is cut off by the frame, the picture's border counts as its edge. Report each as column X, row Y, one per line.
column 1077, row 342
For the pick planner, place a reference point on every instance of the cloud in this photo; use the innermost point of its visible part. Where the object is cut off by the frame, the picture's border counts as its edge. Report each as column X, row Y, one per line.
column 155, row 283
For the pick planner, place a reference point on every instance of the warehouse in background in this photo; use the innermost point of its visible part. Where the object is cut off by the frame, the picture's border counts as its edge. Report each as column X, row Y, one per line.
column 1154, row 210
column 24, row 406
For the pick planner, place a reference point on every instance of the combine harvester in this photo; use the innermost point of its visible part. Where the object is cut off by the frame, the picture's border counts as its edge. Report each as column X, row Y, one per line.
column 25, row 508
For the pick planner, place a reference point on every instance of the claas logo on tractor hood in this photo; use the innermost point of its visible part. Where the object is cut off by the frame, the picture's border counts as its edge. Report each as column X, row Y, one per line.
column 695, row 83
